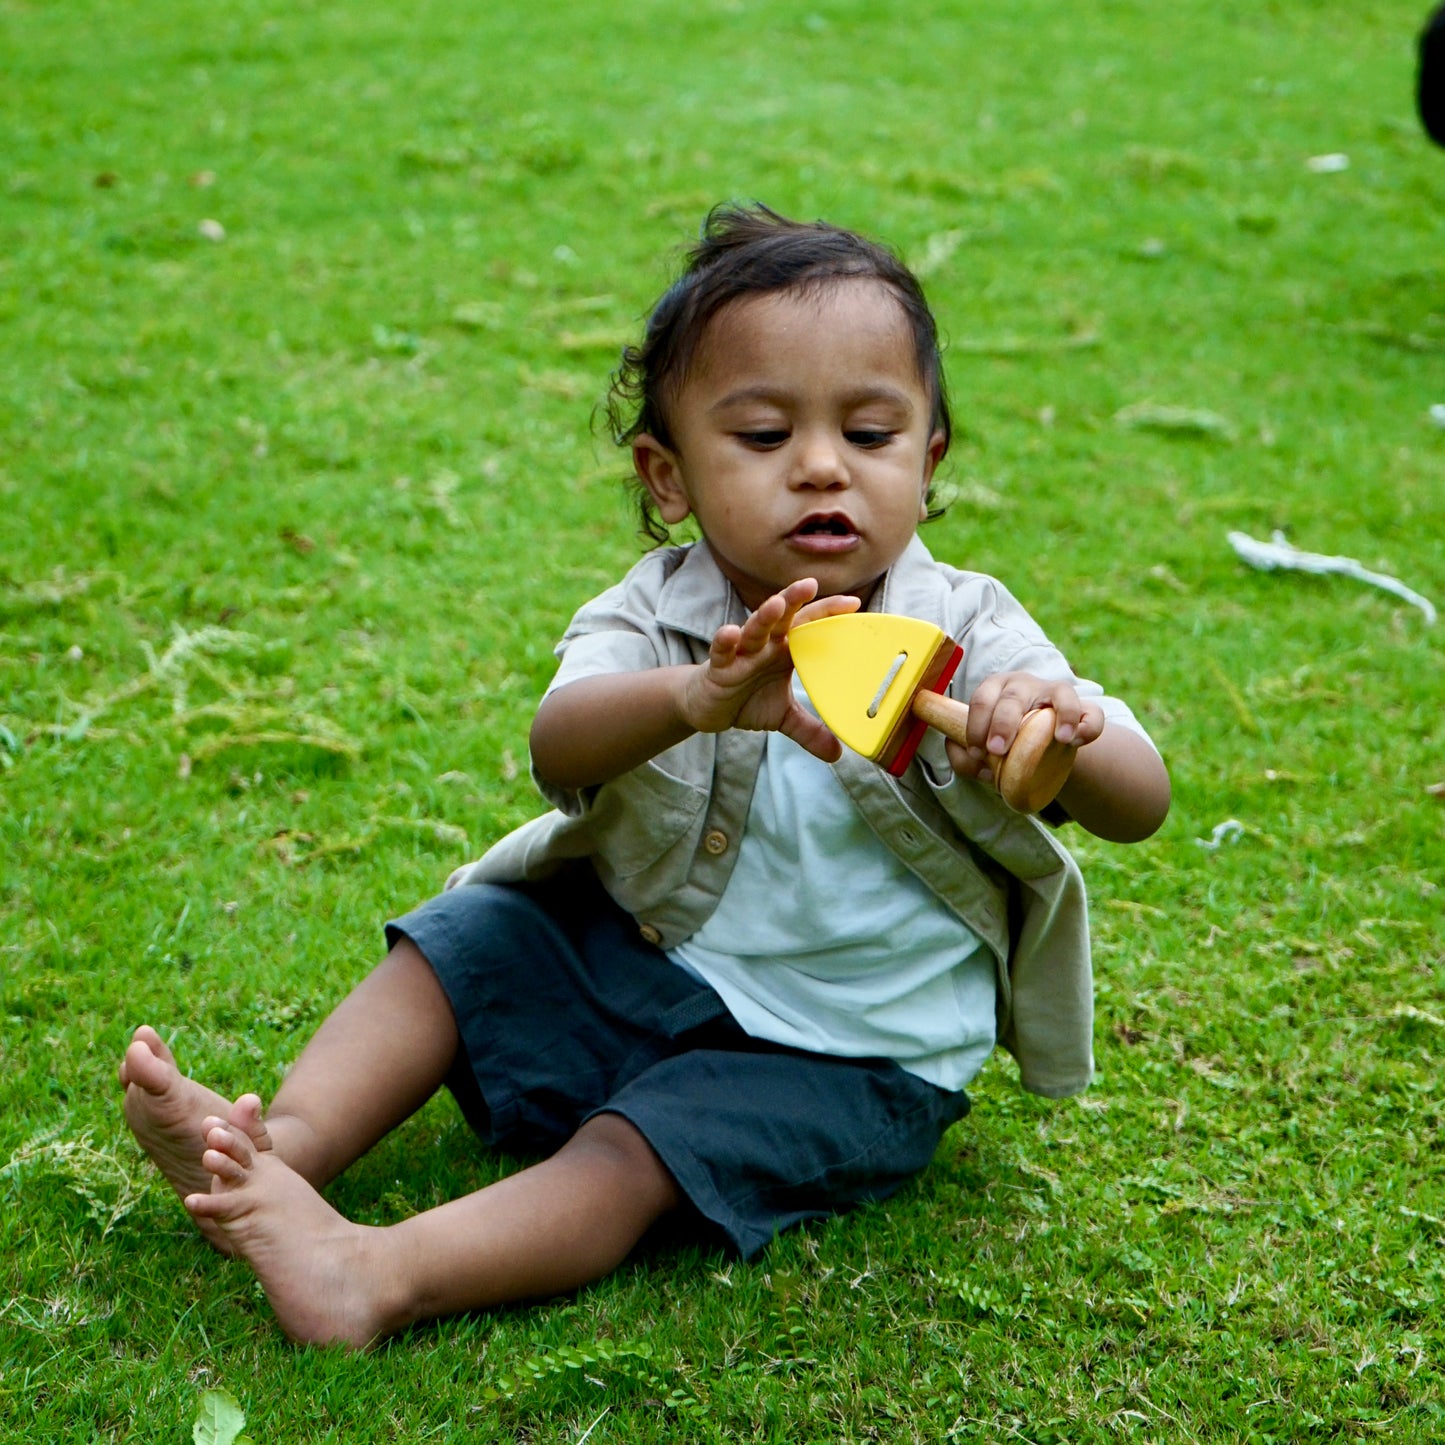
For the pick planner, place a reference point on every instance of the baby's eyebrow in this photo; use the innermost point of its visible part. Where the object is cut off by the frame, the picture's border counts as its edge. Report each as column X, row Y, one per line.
column 746, row 394
column 777, row 396
column 890, row 395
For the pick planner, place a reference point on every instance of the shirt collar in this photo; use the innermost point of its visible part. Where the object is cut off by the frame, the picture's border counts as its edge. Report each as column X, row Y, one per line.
column 696, row 598
column 910, row 586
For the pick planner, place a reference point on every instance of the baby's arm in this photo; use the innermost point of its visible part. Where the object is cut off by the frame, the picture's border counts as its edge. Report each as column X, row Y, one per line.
column 597, row 728
column 1119, row 787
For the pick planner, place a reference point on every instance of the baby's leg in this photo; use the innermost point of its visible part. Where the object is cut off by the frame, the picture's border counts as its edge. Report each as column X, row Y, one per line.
column 386, row 1049
column 541, row 1232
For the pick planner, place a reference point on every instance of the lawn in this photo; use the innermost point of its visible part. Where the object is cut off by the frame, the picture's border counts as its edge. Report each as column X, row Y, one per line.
column 305, row 311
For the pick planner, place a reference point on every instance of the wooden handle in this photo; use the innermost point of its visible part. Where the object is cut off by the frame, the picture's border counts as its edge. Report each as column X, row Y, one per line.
column 1032, row 771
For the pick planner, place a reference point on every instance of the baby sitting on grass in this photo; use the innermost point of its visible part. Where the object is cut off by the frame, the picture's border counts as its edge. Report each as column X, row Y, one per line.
column 736, row 973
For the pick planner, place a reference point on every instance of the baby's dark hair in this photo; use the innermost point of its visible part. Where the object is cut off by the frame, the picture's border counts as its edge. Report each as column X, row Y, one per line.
column 752, row 251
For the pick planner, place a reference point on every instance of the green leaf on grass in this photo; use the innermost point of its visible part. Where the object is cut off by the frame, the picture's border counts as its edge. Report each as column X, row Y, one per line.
column 219, row 1421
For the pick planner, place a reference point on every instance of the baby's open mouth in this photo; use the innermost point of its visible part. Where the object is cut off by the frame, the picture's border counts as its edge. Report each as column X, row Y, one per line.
column 824, row 534
column 832, row 526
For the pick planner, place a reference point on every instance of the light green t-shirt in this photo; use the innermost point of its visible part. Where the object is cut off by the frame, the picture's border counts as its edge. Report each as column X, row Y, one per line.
column 824, row 940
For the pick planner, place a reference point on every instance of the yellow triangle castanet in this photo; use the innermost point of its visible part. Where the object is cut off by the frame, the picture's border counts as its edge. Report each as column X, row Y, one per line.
column 862, row 671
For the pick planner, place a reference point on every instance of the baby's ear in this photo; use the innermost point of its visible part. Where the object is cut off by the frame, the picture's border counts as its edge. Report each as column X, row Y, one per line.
column 937, row 450
column 660, row 470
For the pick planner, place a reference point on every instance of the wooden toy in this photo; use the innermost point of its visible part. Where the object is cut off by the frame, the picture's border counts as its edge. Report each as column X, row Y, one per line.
column 877, row 681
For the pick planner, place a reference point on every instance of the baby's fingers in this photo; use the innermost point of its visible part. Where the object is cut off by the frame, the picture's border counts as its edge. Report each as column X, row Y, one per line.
column 994, row 713
column 811, row 733
column 1089, row 727
column 796, row 598
column 770, row 621
column 837, row 606
column 725, row 644
column 969, row 762
column 1076, row 722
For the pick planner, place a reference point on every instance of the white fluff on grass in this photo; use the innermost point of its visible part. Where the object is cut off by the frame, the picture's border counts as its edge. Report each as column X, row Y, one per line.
column 1279, row 555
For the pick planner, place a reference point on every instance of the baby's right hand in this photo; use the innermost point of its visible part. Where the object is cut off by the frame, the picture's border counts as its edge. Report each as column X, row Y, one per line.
column 747, row 681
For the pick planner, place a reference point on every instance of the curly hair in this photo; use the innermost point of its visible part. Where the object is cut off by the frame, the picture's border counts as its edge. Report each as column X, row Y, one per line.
column 751, row 251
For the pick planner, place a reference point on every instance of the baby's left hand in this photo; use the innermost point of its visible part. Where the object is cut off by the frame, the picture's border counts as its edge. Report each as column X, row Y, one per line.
column 999, row 706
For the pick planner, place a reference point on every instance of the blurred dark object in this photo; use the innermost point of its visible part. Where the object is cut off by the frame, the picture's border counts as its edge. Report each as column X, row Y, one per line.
column 1431, row 91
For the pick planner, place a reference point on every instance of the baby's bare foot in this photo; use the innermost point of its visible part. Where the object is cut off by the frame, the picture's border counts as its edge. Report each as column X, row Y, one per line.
column 327, row 1278
column 167, row 1113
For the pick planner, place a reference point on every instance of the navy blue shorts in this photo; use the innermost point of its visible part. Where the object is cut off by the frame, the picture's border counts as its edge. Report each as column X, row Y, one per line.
column 564, row 1012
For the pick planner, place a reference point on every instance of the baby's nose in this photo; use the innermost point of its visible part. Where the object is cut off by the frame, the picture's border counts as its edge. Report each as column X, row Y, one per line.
column 820, row 463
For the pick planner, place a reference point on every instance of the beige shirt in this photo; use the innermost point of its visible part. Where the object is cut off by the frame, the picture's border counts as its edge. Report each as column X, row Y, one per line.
column 662, row 838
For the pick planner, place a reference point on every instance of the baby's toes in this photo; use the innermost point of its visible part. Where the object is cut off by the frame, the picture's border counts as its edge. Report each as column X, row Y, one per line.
column 224, row 1168
column 230, row 1154
column 246, row 1116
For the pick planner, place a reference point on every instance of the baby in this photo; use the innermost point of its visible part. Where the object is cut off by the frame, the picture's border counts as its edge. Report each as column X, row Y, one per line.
column 735, row 974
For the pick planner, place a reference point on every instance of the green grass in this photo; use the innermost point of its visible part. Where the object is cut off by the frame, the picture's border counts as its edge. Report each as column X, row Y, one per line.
column 339, row 461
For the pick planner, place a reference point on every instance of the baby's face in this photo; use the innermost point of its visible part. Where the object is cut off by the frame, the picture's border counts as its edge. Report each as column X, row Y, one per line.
column 804, row 442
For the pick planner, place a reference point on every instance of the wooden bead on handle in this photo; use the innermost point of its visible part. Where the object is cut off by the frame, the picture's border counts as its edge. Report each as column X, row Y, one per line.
column 1031, row 773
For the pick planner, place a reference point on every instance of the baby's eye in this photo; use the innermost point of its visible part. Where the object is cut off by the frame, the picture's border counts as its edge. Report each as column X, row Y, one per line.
column 869, row 439
column 763, row 438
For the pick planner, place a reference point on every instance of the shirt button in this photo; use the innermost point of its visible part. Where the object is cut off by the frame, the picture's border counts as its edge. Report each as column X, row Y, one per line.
column 716, row 842
column 650, row 934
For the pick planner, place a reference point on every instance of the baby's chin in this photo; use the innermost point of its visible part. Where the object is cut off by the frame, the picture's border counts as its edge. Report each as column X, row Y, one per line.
column 861, row 588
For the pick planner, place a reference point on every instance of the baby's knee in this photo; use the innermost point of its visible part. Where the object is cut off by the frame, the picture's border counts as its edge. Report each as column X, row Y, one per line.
column 619, row 1143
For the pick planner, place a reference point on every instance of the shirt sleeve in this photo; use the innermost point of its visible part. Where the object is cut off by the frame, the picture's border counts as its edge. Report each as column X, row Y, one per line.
column 617, row 631
column 999, row 635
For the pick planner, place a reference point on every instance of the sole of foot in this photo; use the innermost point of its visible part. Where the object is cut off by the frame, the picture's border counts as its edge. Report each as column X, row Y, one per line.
column 167, row 1113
